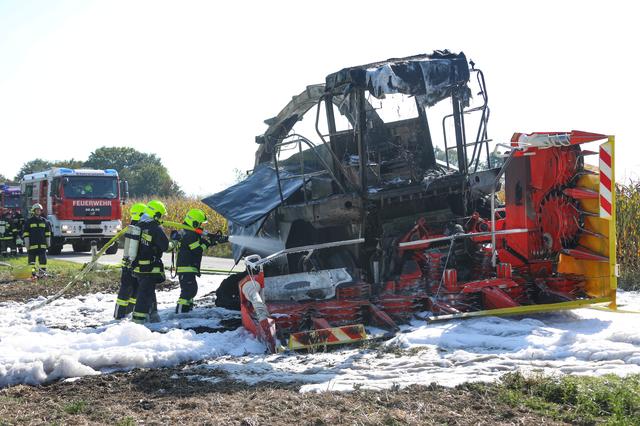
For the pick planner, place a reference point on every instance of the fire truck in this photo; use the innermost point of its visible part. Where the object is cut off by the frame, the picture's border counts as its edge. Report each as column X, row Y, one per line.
column 9, row 199
column 83, row 206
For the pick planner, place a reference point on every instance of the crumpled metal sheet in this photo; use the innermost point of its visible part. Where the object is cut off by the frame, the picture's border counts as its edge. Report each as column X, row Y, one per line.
column 431, row 78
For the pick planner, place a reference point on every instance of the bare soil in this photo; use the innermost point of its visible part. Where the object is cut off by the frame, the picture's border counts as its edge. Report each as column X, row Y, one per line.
column 171, row 396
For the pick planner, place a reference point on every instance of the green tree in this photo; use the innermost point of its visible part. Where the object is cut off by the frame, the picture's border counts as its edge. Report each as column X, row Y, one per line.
column 4, row 179
column 119, row 158
column 145, row 172
column 71, row 164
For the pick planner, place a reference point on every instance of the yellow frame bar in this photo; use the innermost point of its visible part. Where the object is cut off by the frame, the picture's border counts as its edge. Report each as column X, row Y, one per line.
column 528, row 309
column 613, row 261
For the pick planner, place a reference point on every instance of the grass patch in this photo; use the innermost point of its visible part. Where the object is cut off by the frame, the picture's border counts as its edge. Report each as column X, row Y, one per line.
column 60, row 273
column 127, row 421
column 55, row 266
column 581, row 399
column 75, row 407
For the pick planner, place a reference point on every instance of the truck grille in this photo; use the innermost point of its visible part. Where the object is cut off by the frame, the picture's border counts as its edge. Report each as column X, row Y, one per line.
column 93, row 231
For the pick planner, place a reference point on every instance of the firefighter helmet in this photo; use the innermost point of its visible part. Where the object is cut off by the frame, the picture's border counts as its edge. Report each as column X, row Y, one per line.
column 137, row 210
column 36, row 206
column 195, row 218
column 156, row 209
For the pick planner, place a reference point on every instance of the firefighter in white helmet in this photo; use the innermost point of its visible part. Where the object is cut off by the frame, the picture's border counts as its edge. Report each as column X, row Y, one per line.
column 37, row 237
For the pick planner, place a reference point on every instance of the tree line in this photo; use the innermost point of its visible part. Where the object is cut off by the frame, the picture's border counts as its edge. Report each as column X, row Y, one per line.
column 145, row 172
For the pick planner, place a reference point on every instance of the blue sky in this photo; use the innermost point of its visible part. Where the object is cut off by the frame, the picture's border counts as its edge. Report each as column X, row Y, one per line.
column 192, row 81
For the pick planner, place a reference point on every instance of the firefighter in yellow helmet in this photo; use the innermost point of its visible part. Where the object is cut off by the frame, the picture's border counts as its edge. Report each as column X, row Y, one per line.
column 148, row 267
column 126, row 299
column 37, row 237
column 191, row 246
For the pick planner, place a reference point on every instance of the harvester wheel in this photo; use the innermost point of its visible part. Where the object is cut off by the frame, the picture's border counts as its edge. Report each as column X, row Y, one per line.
column 228, row 294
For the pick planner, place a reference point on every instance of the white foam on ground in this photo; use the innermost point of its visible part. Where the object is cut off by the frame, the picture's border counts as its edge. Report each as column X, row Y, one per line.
column 77, row 337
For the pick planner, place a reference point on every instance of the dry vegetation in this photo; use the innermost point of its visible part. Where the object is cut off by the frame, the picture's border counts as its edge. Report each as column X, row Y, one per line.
column 177, row 208
column 628, row 230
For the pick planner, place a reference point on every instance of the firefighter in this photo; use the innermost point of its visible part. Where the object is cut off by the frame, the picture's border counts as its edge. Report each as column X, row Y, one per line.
column 126, row 299
column 148, row 267
column 18, row 221
column 191, row 245
column 37, row 237
column 6, row 233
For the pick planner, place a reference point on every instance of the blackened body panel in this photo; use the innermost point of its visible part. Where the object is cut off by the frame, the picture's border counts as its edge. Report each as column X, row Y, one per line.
column 250, row 200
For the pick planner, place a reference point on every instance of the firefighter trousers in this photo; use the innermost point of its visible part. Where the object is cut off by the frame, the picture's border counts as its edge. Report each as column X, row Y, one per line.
column 4, row 245
column 146, row 298
column 126, row 299
column 188, row 290
column 41, row 254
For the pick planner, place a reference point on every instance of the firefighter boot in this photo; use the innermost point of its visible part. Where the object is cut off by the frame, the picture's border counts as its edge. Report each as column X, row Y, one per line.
column 122, row 309
column 131, row 305
column 140, row 317
column 153, row 314
column 184, row 305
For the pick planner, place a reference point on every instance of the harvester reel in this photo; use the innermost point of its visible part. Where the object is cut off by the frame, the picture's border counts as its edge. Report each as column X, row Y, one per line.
column 560, row 221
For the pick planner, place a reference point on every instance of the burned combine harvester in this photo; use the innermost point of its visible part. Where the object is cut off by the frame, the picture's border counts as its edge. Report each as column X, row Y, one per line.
column 382, row 214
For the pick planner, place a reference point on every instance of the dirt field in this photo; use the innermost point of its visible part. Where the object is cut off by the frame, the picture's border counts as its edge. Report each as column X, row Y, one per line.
column 168, row 396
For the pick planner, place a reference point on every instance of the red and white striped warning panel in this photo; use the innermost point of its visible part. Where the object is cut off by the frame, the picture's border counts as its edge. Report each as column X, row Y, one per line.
column 327, row 336
column 606, row 181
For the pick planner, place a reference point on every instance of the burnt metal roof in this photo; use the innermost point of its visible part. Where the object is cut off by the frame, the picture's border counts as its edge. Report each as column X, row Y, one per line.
column 431, row 77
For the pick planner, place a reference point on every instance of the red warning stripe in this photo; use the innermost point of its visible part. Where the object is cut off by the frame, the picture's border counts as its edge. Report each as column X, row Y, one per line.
column 606, row 181
column 605, row 157
column 327, row 336
column 605, row 204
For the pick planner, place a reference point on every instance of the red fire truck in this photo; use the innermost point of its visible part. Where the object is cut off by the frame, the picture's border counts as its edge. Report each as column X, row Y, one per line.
column 9, row 199
column 82, row 205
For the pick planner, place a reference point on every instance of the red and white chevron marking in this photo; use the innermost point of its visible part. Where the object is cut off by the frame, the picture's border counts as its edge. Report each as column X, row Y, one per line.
column 606, row 179
column 327, row 336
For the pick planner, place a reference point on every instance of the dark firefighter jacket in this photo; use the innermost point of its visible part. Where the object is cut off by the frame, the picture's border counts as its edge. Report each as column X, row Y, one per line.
column 37, row 229
column 191, row 248
column 6, row 229
column 153, row 242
